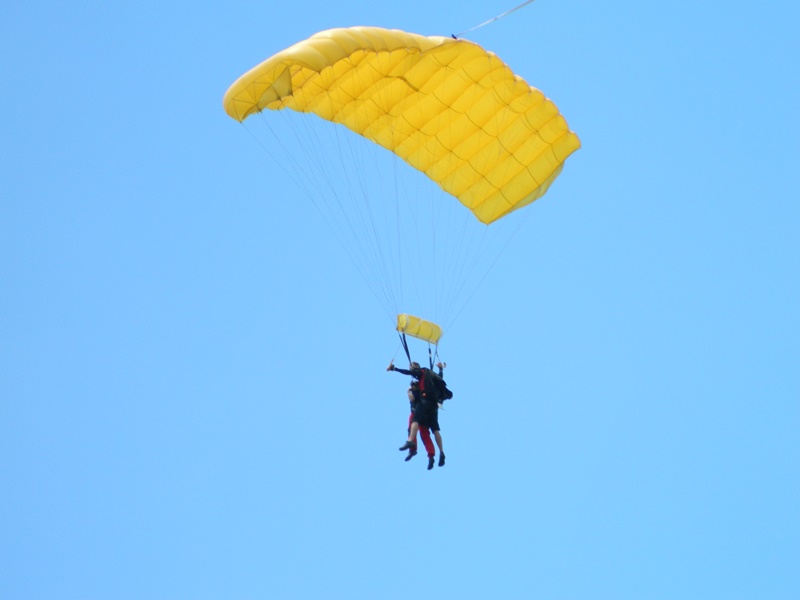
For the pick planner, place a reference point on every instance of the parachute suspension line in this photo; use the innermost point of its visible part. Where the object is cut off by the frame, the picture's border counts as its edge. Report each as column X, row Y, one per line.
column 455, row 36
column 395, row 351
column 409, row 252
column 473, row 260
column 368, row 247
column 405, row 346
column 377, row 221
column 463, row 244
column 399, row 234
column 310, row 186
column 362, row 248
column 373, row 248
column 293, row 165
column 477, row 286
column 394, row 225
column 430, row 357
column 301, row 176
column 413, row 274
column 465, row 249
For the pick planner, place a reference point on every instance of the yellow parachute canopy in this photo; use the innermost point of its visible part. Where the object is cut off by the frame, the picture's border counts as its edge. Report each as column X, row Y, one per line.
column 446, row 106
column 419, row 328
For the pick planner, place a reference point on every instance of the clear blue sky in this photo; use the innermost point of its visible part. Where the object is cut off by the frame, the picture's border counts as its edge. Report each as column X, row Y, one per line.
column 186, row 413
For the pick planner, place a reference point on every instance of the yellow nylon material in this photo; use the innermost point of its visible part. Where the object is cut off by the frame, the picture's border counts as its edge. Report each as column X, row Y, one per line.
column 419, row 328
column 447, row 107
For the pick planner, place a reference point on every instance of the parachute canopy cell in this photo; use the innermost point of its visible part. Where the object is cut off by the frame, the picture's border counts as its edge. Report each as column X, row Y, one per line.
column 419, row 328
column 446, row 106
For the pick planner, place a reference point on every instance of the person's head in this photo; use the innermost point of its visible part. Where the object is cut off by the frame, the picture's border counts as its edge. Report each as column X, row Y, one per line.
column 414, row 365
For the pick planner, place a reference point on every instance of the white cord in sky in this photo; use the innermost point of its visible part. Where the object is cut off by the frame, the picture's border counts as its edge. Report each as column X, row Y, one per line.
column 492, row 20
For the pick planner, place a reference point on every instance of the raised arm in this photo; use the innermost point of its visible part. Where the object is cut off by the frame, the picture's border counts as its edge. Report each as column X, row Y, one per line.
column 391, row 367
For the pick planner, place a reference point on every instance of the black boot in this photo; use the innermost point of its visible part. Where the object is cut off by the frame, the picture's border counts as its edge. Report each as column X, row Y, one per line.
column 430, row 463
column 441, row 459
column 409, row 446
column 411, row 453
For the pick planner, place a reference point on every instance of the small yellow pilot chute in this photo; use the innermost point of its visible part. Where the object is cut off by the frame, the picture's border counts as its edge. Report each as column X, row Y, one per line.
column 419, row 328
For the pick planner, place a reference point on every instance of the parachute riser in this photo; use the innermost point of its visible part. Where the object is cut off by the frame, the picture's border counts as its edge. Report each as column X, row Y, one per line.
column 405, row 346
column 431, row 354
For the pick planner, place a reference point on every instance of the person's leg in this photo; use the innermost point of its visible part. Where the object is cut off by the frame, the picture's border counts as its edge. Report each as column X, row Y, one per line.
column 438, row 435
column 425, row 434
column 412, row 434
column 411, row 443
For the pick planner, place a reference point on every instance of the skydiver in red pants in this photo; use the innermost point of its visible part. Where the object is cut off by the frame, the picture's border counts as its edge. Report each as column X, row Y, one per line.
column 424, row 432
column 424, row 413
